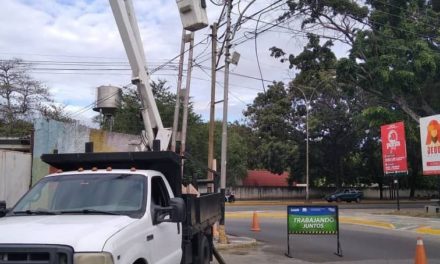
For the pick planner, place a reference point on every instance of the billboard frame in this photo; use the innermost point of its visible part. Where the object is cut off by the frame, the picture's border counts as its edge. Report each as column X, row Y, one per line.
column 337, row 232
column 394, row 145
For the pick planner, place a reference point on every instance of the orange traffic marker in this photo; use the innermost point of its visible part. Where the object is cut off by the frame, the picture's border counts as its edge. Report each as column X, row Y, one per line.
column 215, row 232
column 420, row 252
column 255, row 223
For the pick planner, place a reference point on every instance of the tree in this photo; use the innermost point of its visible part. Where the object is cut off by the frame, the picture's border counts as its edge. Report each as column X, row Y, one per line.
column 127, row 119
column 239, row 146
column 270, row 118
column 22, row 98
column 394, row 58
column 394, row 45
column 55, row 112
column 333, row 114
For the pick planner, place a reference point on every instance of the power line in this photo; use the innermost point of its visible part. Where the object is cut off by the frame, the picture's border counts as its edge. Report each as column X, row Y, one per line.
column 241, row 22
column 58, row 55
column 90, row 106
column 229, row 91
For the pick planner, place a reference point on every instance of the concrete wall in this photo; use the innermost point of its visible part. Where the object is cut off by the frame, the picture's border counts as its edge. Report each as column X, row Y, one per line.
column 15, row 175
column 71, row 138
column 253, row 193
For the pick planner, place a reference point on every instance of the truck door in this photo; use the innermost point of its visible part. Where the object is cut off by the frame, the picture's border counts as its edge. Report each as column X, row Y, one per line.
column 167, row 237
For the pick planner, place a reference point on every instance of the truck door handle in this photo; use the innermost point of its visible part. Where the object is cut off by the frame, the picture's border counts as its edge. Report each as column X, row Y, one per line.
column 150, row 237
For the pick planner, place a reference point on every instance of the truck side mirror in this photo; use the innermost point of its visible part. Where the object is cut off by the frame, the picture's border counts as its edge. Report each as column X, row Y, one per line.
column 175, row 213
column 178, row 213
column 3, row 210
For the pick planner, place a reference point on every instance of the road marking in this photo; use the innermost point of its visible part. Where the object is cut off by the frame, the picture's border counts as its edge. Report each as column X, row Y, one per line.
column 283, row 215
column 411, row 227
column 249, row 214
column 366, row 222
column 428, row 230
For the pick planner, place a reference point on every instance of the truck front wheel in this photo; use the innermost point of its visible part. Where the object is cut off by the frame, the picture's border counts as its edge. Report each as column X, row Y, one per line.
column 205, row 251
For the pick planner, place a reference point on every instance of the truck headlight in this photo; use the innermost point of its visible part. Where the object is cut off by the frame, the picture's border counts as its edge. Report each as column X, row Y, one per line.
column 93, row 258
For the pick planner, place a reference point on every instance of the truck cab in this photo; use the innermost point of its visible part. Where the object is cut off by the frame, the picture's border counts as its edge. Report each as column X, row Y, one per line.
column 106, row 215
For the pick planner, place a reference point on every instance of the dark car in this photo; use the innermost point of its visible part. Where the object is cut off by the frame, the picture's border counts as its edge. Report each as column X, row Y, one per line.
column 346, row 195
column 229, row 197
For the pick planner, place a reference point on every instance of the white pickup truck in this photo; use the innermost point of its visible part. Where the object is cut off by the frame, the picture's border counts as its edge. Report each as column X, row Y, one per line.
column 110, row 208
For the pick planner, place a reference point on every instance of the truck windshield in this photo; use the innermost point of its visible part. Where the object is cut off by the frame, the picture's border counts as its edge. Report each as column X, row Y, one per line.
column 123, row 194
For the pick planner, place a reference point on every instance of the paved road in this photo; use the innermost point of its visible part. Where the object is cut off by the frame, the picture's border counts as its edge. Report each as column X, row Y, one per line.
column 358, row 243
column 342, row 205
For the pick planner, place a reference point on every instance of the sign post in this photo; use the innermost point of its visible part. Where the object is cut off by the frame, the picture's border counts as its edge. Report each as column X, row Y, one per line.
column 312, row 220
column 394, row 154
column 396, row 181
column 430, row 141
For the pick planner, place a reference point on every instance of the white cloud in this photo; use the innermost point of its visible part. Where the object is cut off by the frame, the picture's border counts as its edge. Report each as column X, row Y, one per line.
column 85, row 32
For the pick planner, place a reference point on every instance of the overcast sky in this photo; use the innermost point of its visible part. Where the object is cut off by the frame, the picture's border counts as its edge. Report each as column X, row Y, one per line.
column 75, row 47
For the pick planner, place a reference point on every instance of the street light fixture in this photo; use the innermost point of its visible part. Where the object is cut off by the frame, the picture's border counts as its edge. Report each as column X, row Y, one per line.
column 307, row 101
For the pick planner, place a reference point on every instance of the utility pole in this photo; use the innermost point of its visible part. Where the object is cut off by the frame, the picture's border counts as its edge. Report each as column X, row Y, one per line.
column 212, row 110
column 182, row 93
column 174, row 137
column 222, row 236
column 307, row 149
column 186, row 98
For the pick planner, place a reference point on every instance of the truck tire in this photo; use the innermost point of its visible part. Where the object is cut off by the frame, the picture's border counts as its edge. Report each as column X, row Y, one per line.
column 205, row 251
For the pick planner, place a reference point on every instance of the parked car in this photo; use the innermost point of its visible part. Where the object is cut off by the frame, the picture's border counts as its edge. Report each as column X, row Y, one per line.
column 347, row 195
column 229, row 197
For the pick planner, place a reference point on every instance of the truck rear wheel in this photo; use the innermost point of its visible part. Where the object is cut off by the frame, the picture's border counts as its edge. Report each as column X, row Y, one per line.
column 205, row 251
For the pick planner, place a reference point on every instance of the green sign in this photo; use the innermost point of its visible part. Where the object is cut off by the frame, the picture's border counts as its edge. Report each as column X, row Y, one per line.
column 312, row 220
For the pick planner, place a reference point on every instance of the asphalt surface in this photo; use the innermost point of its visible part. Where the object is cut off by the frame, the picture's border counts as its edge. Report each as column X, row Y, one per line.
column 343, row 205
column 358, row 243
column 365, row 236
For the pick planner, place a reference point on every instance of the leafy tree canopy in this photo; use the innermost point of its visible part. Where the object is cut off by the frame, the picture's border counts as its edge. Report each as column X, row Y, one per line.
column 395, row 52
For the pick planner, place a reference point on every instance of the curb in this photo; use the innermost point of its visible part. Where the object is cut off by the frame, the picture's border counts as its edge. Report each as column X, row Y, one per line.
column 316, row 202
column 236, row 242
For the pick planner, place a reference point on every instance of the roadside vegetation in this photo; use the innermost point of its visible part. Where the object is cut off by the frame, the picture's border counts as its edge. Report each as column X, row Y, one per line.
column 391, row 73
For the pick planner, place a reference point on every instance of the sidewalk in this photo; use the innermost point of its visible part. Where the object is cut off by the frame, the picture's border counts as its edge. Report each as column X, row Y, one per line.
column 256, row 254
column 258, row 257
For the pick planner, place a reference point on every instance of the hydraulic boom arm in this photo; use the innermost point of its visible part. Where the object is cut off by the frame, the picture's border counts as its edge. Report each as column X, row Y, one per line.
column 193, row 16
column 123, row 12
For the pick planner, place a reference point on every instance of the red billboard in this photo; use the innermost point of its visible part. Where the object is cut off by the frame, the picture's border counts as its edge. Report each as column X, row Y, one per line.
column 430, row 139
column 393, row 148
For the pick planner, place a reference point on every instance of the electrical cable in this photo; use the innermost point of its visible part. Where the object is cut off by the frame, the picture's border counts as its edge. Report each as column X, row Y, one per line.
column 229, row 91
column 217, row 4
column 256, row 52
column 220, row 53
column 90, row 106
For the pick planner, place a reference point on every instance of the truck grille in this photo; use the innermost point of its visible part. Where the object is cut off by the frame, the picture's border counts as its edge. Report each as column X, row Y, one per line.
column 35, row 254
